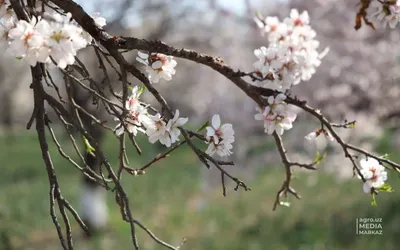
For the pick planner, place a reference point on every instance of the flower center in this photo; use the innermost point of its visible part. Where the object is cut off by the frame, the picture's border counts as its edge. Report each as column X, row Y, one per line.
column 374, row 176
column 159, row 124
column 298, row 22
column 270, row 117
column 134, row 116
column 132, row 102
column 57, row 36
column 157, row 57
column 27, row 37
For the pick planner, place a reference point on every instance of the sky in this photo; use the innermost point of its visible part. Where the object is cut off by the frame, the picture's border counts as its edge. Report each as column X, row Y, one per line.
column 133, row 20
column 237, row 6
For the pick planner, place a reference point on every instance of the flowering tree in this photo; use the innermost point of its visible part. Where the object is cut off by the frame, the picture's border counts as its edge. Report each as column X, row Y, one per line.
column 48, row 36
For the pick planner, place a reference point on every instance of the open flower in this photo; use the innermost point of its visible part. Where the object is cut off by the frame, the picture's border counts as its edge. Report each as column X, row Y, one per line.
column 221, row 149
column 173, row 124
column 157, row 130
column 297, row 19
column 27, row 43
column 389, row 13
column 136, row 115
column 63, row 38
column 158, row 66
column 218, row 132
column 374, row 174
column 219, row 137
column 276, row 116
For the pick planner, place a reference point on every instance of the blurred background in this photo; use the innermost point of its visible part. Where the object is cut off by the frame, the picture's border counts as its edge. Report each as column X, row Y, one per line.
column 178, row 197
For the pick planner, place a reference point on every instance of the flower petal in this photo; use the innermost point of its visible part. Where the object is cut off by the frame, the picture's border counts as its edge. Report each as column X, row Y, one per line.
column 366, row 187
column 181, row 121
column 143, row 55
column 216, row 121
column 156, row 65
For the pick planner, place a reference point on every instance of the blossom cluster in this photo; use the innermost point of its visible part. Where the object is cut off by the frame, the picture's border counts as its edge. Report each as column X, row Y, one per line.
column 388, row 12
column 155, row 127
column 157, row 66
column 277, row 116
column 291, row 55
column 219, row 137
column 374, row 174
column 44, row 39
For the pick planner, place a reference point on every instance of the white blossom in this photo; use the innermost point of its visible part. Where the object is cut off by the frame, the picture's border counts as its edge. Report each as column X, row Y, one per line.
column 221, row 149
column 311, row 136
column 374, row 174
column 173, row 124
column 7, row 22
column 136, row 117
column 273, row 27
column 158, row 66
column 291, row 56
column 4, row 4
column 219, row 137
column 7, row 14
column 389, row 13
column 157, row 131
column 297, row 19
column 53, row 37
column 218, row 132
column 315, row 134
column 63, row 38
column 27, row 42
column 276, row 116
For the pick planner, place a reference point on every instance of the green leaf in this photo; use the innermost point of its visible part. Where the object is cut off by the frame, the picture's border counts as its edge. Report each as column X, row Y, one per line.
column 316, row 156
column 385, row 156
column 19, row 57
column 373, row 201
column 385, row 188
column 319, row 158
column 140, row 91
column 352, row 125
column 206, row 124
column 89, row 148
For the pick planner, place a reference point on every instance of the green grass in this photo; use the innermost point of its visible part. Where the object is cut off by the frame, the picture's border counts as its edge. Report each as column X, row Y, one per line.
column 169, row 200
